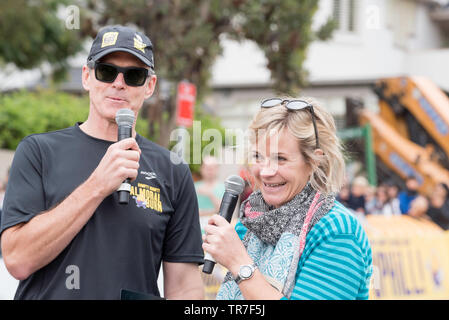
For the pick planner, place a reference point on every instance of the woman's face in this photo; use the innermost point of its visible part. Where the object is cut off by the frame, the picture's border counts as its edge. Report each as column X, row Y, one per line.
column 392, row 191
column 381, row 195
column 279, row 168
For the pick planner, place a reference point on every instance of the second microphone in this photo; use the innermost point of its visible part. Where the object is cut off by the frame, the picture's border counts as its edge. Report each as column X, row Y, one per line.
column 234, row 186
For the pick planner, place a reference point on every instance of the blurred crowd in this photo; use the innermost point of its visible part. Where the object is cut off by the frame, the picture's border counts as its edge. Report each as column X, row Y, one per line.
column 388, row 199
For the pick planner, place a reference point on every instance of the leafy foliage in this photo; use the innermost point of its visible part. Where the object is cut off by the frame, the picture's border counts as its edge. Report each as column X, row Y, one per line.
column 207, row 122
column 186, row 37
column 186, row 34
column 32, row 33
column 23, row 113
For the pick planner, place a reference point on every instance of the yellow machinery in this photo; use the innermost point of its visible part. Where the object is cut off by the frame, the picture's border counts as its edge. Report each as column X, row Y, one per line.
column 411, row 131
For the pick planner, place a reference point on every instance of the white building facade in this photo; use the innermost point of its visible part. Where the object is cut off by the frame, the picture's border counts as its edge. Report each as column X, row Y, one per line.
column 374, row 39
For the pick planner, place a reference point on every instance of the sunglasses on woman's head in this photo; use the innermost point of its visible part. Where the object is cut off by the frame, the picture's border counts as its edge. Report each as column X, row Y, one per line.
column 134, row 76
column 293, row 105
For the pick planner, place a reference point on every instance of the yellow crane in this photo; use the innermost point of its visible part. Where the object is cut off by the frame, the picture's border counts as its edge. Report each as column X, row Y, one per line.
column 411, row 131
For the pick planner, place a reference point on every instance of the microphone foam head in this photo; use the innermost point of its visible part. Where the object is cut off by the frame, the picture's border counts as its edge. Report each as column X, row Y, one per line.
column 234, row 184
column 124, row 117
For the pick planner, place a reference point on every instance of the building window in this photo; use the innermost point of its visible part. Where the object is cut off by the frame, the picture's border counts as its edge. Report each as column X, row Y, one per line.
column 336, row 12
column 351, row 18
column 344, row 14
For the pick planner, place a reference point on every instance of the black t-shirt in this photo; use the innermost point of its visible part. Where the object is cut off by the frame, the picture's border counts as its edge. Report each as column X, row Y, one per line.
column 121, row 246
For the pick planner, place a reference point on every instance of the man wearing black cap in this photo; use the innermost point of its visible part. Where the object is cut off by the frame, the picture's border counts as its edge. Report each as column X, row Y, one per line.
column 64, row 234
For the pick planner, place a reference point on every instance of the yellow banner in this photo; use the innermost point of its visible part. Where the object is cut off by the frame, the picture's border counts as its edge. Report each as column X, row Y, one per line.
column 410, row 258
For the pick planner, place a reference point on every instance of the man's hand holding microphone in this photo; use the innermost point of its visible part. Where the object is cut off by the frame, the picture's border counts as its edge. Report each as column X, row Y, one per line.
column 120, row 164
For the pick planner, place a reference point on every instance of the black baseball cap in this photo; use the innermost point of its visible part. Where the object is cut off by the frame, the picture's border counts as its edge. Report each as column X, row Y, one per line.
column 120, row 38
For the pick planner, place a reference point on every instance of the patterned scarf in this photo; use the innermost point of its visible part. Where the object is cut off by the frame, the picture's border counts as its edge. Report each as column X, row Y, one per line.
column 273, row 237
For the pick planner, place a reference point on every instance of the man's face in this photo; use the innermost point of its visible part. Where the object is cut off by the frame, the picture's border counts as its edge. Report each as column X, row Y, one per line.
column 107, row 98
column 412, row 184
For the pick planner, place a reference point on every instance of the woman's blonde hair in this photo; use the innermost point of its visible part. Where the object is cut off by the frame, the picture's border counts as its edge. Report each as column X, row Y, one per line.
column 327, row 169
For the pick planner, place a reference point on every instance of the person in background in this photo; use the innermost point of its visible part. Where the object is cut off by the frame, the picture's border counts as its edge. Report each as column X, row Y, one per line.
column 209, row 190
column 418, row 208
column 377, row 203
column 409, row 194
column 393, row 200
column 343, row 195
column 370, row 193
column 439, row 206
column 384, row 203
column 3, row 185
column 293, row 239
column 356, row 199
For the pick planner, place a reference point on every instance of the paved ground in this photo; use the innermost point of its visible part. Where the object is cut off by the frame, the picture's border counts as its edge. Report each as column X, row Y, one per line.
column 8, row 284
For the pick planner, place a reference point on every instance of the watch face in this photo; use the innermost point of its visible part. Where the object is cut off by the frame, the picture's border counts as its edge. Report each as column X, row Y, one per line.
column 245, row 271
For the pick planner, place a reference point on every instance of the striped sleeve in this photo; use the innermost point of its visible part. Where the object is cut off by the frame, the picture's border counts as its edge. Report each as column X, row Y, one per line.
column 241, row 230
column 336, row 265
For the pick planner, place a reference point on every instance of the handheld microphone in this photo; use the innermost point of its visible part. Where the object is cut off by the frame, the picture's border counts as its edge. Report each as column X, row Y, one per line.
column 234, row 186
column 125, row 119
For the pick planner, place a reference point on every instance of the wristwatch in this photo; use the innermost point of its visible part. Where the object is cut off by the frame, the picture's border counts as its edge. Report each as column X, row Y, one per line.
column 245, row 273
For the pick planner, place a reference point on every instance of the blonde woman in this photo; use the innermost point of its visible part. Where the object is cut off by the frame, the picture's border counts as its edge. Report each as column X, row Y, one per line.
column 293, row 239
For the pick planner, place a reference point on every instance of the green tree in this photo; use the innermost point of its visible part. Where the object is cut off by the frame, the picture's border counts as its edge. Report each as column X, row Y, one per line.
column 23, row 113
column 32, row 33
column 186, row 36
column 283, row 30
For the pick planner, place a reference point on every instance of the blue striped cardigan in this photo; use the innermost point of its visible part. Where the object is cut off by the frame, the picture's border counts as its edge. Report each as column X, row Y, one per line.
column 336, row 262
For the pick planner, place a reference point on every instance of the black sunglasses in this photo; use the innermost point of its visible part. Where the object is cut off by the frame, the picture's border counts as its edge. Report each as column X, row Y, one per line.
column 134, row 76
column 293, row 105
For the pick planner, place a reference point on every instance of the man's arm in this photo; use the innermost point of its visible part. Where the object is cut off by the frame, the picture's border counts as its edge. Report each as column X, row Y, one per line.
column 182, row 281
column 182, row 244
column 29, row 246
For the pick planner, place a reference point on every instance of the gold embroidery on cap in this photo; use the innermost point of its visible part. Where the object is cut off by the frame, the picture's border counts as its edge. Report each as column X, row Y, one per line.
column 138, row 43
column 109, row 39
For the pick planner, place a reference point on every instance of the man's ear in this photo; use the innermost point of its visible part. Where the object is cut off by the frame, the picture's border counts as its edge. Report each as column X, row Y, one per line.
column 150, row 86
column 85, row 77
